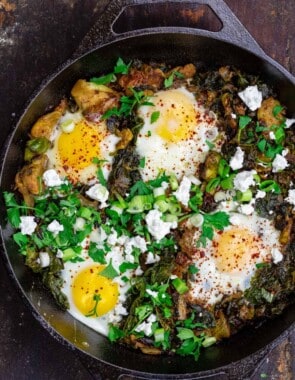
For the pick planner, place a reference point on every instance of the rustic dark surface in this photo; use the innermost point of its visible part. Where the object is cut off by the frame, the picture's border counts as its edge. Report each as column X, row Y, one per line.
column 35, row 38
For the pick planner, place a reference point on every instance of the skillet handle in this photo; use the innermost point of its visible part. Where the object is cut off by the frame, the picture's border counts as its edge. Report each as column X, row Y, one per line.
column 103, row 32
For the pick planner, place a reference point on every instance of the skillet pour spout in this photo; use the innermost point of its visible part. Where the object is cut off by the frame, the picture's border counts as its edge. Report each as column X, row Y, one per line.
column 149, row 38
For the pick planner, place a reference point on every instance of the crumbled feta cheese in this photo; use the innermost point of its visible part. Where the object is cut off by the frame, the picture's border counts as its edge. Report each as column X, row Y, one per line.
column 289, row 122
column 79, row 224
column 138, row 271
column 276, row 255
column 244, row 180
column 98, row 235
column 246, row 209
column 51, row 178
column 44, row 259
column 194, row 180
column 27, row 225
column 260, row 194
column 252, row 97
column 291, row 197
column 135, row 242
column 156, row 226
column 235, row 219
column 234, row 116
column 99, row 193
column 173, row 277
column 113, row 238
column 152, row 258
column 55, row 227
column 183, row 191
column 236, row 162
column 152, row 293
column 59, row 254
column 272, row 136
column 146, row 327
column 279, row 163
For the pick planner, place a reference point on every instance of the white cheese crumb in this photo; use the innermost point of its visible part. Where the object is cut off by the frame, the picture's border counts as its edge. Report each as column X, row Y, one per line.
column 279, row 163
column 59, row 254
column 51, row 178
column 98, row 235
column 276, row 255
column 156, row 226
column 146, row 327
column 182, row 193
column 134, row 242
column 260, row 194
column 244, row 180
column 79, row 224
column 246, row 209
column 291, row 197
column 252, row 97
column 152, row 293
column 272, row 136
column 234, row 116
column 235, row 219
column 152, row 258
column 44, row 259
column 236, row 162
column 289, row 122
column 113, row 237
column 55, row 227
column 194, row 180
column 99, row 193
column 27, row 225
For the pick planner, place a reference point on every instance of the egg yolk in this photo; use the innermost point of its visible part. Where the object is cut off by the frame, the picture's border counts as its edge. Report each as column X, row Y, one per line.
column 78, row 148
column 236, row 249
column 92, row 291
column 177, row 119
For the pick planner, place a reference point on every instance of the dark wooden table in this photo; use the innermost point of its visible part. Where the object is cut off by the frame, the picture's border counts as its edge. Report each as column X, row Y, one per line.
column 35, row 38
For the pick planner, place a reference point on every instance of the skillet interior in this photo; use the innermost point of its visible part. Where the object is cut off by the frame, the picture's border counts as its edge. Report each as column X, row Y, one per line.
column 174, row 48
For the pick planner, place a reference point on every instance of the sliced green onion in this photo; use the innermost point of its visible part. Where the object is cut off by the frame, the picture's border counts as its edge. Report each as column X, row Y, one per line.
column 173, row 182
column 257, row 178
column 228, row 183
column 208, row 341
column 170, row 218
column 140, row 203
column 67, row 126
column 68, row 254
column 159, row 335
column 85, row 213
column 212, row 184
column 270, row 185
column 223, row 168
column 161, row 205
column 174, row 207
column 246, row 196
column 180, row 286
column 197, row 220
column 158, row 191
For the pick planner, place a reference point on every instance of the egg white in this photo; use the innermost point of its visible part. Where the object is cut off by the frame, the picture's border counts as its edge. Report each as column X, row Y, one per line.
column 69, row 273
column 210, row 284
column 106, row 144
column 176, row 141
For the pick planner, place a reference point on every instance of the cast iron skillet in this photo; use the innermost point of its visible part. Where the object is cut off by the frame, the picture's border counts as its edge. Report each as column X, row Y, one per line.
column 110, row 38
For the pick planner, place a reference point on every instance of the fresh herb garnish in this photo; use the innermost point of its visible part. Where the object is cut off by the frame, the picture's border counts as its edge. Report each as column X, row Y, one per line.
column 109, row 271
column 93, row 312
column 128, row 104
column 155, row 116
column 120, row 68
column 218, row 221
column 168, row 82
